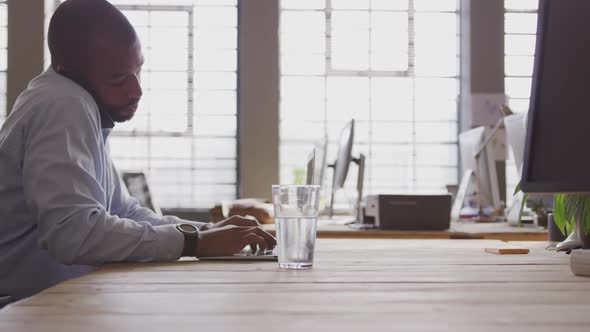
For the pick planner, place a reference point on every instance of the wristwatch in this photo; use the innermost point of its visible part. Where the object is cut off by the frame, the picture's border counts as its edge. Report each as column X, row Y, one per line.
column 191, row 239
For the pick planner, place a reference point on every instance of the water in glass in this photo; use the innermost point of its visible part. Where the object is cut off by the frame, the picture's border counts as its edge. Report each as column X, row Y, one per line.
column 296, row 236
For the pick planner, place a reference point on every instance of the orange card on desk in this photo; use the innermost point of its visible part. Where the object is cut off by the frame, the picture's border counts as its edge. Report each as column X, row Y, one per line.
column 507, row 251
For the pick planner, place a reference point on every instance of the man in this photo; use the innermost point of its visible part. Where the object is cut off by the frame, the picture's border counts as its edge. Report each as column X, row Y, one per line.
column 62, row 208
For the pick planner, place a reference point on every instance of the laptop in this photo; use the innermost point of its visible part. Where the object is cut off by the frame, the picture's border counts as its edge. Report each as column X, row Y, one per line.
column 247, row 255
column 269, row 254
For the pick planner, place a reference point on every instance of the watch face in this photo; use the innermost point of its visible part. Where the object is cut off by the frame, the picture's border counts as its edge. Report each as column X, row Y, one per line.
column 188, row 228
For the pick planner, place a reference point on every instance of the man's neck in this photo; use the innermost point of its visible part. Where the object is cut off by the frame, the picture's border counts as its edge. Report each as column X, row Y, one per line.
column 105, row 120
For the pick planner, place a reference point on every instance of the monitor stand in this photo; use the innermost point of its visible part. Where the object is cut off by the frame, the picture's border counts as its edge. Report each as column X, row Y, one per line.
column 336, row 220
column 572, row 241
column 460, row 196
column 359, row 217
column 481, row 213
column 360, row 181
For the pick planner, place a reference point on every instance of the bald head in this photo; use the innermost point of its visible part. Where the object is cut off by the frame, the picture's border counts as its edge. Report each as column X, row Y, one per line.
column 78, row 26
column 93, row 44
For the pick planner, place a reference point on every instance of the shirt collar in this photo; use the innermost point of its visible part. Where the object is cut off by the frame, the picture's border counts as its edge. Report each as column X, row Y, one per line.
column 105, row 133
column 105, row 120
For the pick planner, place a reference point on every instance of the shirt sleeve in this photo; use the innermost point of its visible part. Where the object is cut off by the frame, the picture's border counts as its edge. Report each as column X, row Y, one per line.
column 62, row 173
column 125, row 206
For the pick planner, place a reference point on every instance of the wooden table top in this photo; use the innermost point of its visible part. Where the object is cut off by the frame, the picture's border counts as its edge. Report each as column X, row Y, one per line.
column 458, row 230
column 355, row 285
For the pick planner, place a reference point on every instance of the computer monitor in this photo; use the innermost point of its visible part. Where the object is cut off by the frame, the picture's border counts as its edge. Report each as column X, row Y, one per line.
column 137, row 185
column 321, row 149
column 341, row 165
column 344, row 155
column 343, row 158
column 515, row 125
column 557, row 158
column 310, row 168
column 479, row 163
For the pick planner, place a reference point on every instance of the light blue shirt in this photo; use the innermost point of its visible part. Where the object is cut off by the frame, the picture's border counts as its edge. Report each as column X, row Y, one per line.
column 63, row 210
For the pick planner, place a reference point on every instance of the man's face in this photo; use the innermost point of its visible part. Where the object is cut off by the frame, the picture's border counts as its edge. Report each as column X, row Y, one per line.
column 113, row 78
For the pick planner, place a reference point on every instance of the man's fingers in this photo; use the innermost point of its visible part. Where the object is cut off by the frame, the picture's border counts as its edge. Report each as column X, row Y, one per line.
column 270, row 240
column 253, row 240
column 253, row 220
column 247, row 221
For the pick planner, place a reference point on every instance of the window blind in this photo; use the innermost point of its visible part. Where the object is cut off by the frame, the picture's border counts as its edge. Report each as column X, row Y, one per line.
column 393, row 66
column 3, row 58
column 520, row 29
column 184, row 134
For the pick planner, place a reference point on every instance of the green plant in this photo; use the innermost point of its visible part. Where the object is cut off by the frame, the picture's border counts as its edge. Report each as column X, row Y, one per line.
column 299, row 176
column 566, row 208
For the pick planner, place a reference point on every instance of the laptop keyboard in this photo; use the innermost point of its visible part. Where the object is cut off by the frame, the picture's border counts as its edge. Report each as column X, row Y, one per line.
column 260, row 252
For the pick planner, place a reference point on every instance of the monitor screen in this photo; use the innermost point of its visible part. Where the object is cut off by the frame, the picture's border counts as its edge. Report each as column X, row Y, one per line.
column 557, row 157
column 485, row 180
column 311, row 168
column 344, row 155
column 137, row 186
column 515, row 136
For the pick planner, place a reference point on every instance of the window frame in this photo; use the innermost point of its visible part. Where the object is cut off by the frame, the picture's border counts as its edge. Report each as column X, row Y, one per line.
column 370, row 73
column 4, row 110
column 256, row 171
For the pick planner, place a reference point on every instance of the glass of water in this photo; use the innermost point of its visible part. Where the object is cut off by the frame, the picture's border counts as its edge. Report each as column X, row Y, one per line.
column 296, row 214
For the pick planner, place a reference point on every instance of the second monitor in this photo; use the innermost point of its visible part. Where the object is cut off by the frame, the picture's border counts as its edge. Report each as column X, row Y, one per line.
column 341, row 166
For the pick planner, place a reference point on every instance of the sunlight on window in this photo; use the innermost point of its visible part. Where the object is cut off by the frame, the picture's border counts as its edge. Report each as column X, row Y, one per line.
column 389, row 41
column 393, row 66
column 519, row 39
column 519, row 34
column 3, row 59
column 515, row 5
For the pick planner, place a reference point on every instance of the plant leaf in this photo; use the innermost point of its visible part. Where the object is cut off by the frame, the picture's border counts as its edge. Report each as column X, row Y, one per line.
column 585, row 218
column 559, row 215
column 516, row 190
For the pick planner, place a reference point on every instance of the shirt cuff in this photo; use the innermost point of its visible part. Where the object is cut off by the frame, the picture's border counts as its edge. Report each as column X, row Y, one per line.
column 170, row 243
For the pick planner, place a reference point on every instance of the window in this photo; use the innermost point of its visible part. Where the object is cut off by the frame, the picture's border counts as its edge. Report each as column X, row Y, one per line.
column 393, row 66
column 3, row 58
column 184, row 135
column 520, row 28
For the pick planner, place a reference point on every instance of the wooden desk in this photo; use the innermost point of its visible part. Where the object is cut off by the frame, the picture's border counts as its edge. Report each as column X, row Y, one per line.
column 388, row 285
column 459, row 230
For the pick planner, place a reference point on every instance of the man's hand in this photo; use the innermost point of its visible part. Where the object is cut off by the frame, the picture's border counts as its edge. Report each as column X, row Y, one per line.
column 233, row 220
column 230, row 239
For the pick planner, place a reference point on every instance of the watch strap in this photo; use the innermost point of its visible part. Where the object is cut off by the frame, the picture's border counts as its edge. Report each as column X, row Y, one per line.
column 191, row 241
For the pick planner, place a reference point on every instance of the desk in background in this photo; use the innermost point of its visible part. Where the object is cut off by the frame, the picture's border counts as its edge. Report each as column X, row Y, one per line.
column 459, row 230
column 355, row 285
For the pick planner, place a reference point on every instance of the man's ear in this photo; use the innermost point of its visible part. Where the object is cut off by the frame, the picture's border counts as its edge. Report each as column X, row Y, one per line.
column 68, row 72
column 60, row 69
